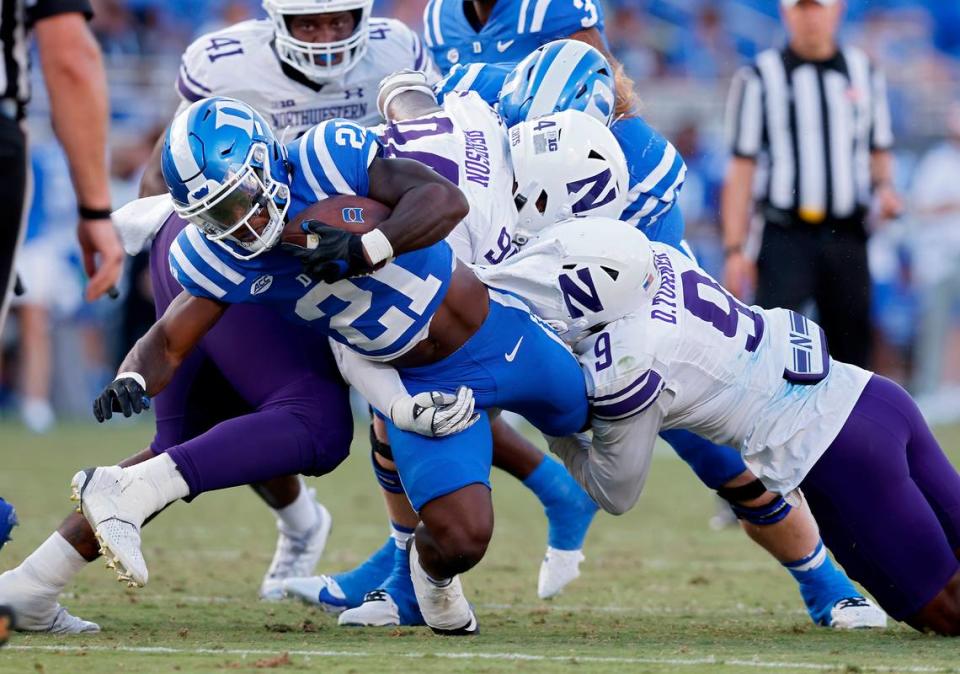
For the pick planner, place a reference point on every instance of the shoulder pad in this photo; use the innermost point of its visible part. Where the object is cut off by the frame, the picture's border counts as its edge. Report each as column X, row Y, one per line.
column 209, row 64
column 624, row 379
column 561, row 19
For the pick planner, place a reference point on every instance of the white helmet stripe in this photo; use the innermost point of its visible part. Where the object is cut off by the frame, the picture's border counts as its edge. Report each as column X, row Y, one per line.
column 556, row 77
column 183, row 159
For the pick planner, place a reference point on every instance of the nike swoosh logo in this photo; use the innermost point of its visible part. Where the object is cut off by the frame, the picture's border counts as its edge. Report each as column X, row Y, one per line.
column 504, row 45
column 513, row 354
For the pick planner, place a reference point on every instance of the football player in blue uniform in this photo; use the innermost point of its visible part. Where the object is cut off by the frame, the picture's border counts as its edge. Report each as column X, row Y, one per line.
column 395, row 295
column 488, row 31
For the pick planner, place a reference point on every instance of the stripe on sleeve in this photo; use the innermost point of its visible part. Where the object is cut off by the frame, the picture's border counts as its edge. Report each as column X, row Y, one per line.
column 539, row 13
column 631, row 400
column 202, row 248
column 186, row 268
column 312, row 181
column 522, row 18
column 327, row 164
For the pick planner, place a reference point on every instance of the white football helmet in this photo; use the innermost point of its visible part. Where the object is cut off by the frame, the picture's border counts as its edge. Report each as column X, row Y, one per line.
column 580, row 274
column 566, row 164
column 320, row 61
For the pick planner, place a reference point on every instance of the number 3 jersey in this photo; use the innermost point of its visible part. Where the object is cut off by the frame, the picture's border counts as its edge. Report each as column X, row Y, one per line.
column 466, row 143
column 381, row 315
column 240, row 62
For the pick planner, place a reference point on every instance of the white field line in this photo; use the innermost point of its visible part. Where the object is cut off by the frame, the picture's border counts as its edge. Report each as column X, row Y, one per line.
column 525, row 657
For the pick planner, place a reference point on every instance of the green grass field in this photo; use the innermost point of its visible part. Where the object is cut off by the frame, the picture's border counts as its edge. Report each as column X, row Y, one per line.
column 660, row 591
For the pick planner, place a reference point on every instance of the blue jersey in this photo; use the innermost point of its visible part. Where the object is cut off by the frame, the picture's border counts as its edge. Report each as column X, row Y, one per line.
column 515, row 28
column 381, row 315
column 656, row 168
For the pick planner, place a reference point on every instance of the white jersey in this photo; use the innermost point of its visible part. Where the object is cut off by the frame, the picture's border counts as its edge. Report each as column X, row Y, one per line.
column 740, row 376
column 466, row 143
column 240, row 62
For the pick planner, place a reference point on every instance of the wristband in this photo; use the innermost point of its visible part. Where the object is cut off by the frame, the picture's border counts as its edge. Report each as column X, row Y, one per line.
column 377, row 246
column 732, row 250
column 135, row 376
column 94, row 213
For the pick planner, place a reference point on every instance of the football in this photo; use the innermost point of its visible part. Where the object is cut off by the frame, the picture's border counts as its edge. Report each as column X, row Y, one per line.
column 350, row 212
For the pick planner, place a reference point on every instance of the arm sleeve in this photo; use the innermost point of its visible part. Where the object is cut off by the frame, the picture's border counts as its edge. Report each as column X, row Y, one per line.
column 612, row 468
column 744, row 116
column 379, row 384
column 881, row 133
column 37, row 10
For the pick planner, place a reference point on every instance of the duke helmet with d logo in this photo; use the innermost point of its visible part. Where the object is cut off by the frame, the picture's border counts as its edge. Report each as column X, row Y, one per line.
column 566, row 164
column 320, row 61
column 580, row 274
column 561, row 75
column 224, row 166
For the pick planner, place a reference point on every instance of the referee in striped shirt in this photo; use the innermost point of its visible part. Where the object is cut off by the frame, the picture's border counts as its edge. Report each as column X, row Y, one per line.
column 76, row 82
column 814, row 118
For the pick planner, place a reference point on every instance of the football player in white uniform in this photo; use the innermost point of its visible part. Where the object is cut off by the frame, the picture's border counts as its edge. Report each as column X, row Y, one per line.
column 849, row 444
column 312, row 60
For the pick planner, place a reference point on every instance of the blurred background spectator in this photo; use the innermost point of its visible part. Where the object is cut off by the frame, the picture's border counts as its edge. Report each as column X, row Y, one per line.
column 682, row 54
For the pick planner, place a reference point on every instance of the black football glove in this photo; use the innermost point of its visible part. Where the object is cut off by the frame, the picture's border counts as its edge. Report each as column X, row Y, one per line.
column 122, row 395
column 338, row 254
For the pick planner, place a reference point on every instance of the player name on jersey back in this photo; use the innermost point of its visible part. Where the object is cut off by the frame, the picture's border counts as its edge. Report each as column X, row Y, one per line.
column 466, row 143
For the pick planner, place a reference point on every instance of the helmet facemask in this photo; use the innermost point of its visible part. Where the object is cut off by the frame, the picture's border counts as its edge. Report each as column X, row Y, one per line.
column 320, row 61
column 224, row 216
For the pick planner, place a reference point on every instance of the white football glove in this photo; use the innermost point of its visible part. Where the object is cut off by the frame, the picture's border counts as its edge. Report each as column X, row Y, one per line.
column 435, row 414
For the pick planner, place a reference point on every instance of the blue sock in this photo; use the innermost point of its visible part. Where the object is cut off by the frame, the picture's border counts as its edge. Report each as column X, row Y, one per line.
column 822, row 584
column 568, row 507
column 369, row 575
column 400, row 586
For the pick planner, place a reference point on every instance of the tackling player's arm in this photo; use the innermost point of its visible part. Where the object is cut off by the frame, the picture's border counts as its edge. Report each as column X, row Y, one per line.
column 154, row 359
column 151, row 182
column 612, row 468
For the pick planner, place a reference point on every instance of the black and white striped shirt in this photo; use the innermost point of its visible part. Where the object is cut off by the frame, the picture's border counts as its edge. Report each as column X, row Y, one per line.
column 17, row 17
column 814, row 126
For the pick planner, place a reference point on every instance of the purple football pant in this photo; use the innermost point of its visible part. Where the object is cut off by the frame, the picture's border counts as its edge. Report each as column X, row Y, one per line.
column 257, row 399
column 887, row 501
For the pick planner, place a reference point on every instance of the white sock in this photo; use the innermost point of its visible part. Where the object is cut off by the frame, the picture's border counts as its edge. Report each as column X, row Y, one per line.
column 53, row 564
column 400, row 535
column 301, row 515
column 160, row 484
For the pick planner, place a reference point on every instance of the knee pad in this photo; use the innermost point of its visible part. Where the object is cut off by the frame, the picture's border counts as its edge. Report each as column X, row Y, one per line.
column 389, row 480
column 762, row 515
column 381, row 448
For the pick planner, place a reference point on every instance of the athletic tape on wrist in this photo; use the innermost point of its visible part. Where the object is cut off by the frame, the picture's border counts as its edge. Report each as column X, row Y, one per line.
column 388, row 99
column 135, row 376
column 377, row 246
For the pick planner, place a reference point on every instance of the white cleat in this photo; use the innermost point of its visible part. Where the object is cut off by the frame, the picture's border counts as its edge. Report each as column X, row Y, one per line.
column 558, row 569
column 296, row 556
column 377, row 610
column 856, row 613
column 36, row 609
column 322, row 591
column 111, row 509
column 445, row 609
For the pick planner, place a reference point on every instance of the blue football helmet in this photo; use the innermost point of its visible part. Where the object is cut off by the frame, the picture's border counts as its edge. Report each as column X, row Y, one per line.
column 224, row 166
column 561, row 75
column 8, row 520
